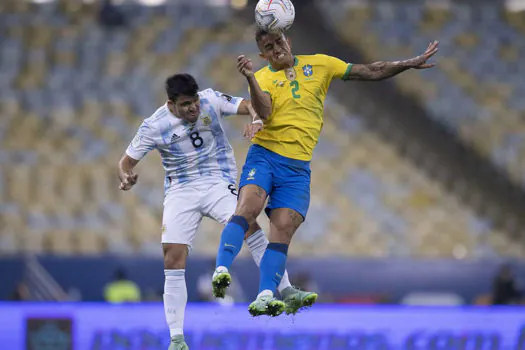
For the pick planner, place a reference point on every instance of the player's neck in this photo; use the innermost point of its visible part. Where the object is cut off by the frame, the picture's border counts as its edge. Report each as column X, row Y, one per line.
column 286, row 65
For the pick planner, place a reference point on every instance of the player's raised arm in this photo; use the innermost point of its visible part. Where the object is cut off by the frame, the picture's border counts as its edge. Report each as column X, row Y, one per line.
column 384, row 70
column 261, row 101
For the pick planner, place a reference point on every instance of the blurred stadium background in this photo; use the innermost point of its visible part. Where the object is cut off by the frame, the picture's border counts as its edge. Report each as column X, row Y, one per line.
column 418, row 188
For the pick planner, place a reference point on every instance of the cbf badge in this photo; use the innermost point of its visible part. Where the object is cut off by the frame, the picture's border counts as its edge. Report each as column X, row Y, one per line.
column 308, row 71
column 290, row 74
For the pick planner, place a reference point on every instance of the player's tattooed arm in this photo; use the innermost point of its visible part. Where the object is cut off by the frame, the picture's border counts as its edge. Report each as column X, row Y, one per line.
column 125, row 172
column 384, row 70
column 261, row 101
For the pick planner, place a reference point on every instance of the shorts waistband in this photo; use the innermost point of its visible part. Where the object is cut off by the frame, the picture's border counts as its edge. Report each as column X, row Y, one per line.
column 290, row 161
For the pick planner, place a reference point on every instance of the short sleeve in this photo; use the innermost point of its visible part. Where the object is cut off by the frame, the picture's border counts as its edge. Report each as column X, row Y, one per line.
column 338, row 68
column 228, row 105
column 142, row 143
column 265, row 84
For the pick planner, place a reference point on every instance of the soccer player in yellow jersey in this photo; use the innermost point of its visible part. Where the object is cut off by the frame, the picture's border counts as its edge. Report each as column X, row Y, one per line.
column 289, row 96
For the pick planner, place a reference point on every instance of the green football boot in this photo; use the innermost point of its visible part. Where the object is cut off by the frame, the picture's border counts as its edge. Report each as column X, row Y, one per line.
column 296, row 300
column 221, row 281
column 178, row 343
column 266, row 305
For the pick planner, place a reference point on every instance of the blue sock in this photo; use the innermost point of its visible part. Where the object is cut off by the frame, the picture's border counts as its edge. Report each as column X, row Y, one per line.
column 232, row 239
column 273, row 264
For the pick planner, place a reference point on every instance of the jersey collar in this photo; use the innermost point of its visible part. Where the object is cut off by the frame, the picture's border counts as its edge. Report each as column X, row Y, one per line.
column 296, row 62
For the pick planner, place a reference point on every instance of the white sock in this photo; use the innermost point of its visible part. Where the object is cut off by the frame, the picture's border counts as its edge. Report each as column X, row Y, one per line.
column 175, row 298
column 264, row 293
column 257, row 243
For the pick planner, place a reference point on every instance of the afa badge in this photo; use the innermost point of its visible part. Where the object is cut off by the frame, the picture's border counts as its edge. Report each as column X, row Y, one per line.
column 308, row 70
column 206, row 120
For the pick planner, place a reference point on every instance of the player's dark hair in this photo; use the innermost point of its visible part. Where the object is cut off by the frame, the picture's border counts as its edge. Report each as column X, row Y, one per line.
column 259, row 34
column 181, row 85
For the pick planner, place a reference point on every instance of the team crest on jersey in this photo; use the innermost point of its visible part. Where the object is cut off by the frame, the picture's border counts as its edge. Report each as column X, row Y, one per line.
column 174, row 137
column 206, row 120
column 308, row 71
column 290, row 74
column 251, row 175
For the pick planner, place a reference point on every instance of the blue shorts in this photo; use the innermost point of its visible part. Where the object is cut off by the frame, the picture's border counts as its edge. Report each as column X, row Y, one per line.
column 285, row 180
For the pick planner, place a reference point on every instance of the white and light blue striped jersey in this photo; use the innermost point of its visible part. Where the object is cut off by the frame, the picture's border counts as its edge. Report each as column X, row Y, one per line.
column 190, row 150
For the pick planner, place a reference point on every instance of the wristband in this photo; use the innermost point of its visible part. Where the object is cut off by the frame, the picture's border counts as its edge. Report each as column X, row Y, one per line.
column 258, row 121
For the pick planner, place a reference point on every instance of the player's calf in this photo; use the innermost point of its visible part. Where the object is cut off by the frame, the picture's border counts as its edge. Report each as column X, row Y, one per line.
column 175, row 293
column 249, row 206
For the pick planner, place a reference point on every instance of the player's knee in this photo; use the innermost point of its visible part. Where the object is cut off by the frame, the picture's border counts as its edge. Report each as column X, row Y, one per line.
column 283, row 232
column 175, row 256
column 249, row 211
column 285, row 223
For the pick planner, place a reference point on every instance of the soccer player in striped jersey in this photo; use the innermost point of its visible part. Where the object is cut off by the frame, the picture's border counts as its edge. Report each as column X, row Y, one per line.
column 200, row 180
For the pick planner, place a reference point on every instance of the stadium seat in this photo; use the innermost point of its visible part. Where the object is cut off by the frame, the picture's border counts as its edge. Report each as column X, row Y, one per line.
column 70, row 110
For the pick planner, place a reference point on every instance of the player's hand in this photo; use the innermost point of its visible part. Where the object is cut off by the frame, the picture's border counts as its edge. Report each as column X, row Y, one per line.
column 251, row 129
column 245, row 66
column 420, row 62
column 128, row 181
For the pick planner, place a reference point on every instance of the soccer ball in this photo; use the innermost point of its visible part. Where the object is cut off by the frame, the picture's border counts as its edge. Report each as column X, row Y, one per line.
column 274, row 15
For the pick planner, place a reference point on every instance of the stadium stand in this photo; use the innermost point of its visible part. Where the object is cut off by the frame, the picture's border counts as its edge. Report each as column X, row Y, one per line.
column 73, row 94
column 476, row 90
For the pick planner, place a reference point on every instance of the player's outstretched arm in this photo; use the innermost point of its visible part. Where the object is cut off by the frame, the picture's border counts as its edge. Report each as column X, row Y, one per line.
column 125, row 172
column 261, row 101
column 246, row 108
column 384, row 70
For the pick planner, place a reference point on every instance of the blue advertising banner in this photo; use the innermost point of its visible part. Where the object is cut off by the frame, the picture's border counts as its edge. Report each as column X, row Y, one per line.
column 94, row 326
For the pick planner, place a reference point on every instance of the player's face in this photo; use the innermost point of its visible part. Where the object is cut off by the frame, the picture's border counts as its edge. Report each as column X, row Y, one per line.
column 186, row 107
column 276, row 49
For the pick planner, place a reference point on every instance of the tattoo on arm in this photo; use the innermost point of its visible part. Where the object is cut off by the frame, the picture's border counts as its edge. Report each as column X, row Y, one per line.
column 383, row 70
column 378, row 70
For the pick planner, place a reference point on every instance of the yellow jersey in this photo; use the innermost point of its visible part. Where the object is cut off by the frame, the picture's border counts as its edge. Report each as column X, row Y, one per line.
column 298, row 95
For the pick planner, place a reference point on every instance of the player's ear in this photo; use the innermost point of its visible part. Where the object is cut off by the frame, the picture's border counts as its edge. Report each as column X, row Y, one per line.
column 171, row 106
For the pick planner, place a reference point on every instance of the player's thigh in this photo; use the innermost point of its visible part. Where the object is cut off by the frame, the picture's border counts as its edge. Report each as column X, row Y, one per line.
column 283, row 224
column 220, row 202
column 181, row 217
column 255, row 183
column 291, row 191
